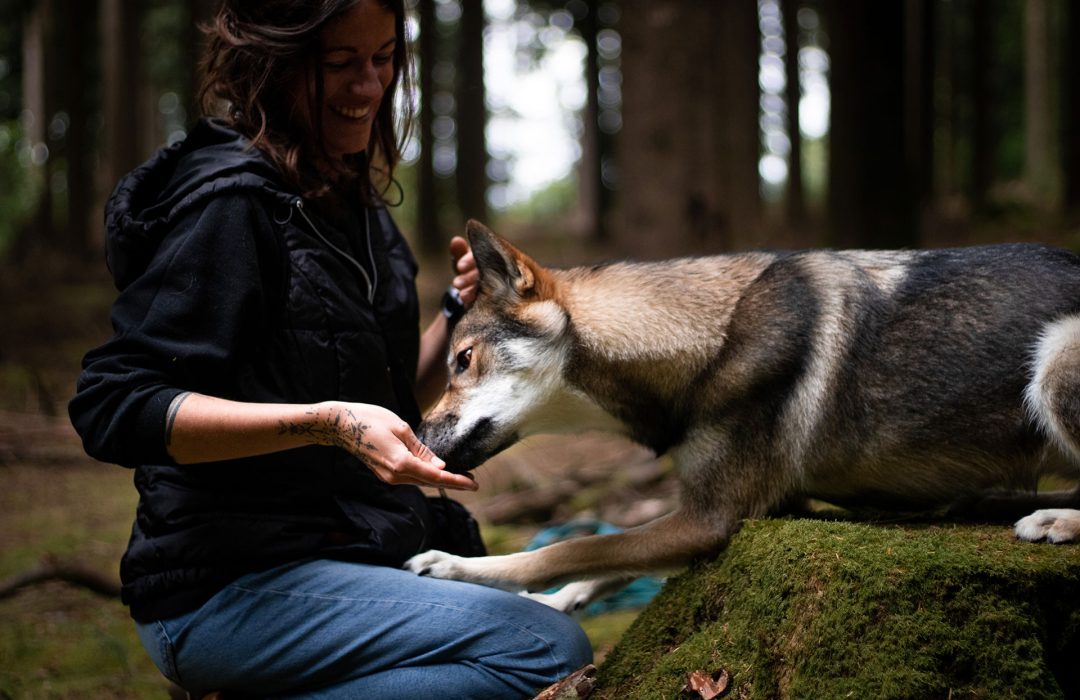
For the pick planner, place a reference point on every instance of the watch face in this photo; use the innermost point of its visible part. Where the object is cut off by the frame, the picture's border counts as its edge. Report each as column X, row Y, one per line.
column 452, row 307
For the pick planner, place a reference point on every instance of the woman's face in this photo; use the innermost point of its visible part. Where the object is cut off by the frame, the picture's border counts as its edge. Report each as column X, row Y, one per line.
column 357, row 65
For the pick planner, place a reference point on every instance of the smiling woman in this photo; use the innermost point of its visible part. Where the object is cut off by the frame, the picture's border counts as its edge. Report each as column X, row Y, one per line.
column 357, row 69
column 340, row 81
column 265, row 380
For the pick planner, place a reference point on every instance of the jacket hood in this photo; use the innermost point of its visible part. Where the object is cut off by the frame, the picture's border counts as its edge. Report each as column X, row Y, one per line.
column 211, row 160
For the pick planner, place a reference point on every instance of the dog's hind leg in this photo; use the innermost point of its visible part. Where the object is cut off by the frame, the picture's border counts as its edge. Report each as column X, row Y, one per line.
column 578, row 594
column 1055, row 525
column 1053, row 399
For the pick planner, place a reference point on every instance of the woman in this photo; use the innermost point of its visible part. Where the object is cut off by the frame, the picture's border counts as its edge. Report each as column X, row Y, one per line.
column 264, row 379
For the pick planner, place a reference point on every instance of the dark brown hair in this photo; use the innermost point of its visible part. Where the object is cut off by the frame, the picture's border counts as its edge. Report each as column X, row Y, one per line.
column 257, row 49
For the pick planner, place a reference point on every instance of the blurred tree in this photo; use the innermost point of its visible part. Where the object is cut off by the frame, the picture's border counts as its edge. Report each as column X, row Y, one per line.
column 201, row 13
column 471, row 176
column 590, row 174
column 871, row 198
column 688, row 148
column 984, row 131
column 121, row 58
column 1040, row 161
column 36, row 105
column 429, row 234
column 591, row 19
column 1070, row 77
column 920, row 21
column 12, row 14
column 795, row 198
column 595, row 22
column 77, row 48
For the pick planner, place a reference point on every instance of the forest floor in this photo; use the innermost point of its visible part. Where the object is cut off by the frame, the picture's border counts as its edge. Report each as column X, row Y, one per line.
column 58, row 640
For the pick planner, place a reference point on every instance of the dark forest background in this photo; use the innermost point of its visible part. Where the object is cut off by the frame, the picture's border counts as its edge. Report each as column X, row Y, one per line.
column 950, row 121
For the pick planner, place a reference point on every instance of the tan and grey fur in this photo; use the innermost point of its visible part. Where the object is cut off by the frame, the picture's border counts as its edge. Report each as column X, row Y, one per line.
column 910, row 379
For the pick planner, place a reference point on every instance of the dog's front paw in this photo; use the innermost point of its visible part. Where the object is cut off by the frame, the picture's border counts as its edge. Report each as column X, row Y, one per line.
column 437, row 565
column 1055, row 525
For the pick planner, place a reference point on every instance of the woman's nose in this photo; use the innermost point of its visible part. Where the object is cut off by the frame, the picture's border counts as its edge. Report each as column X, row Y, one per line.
column 366, row 84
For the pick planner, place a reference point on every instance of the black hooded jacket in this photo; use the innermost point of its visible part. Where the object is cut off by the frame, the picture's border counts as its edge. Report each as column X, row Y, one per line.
column 231, row 285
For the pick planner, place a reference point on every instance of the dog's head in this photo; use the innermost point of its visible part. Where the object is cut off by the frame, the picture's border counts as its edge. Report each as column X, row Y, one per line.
column 507, row 360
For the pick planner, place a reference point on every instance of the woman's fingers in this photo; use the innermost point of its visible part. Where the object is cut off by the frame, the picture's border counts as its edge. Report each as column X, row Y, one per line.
column 459, row 252
column 464, row 265
column 422, row 466
column 410, row 469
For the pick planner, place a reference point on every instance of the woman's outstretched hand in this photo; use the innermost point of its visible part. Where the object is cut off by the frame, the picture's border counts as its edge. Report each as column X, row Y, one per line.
column 385, row 443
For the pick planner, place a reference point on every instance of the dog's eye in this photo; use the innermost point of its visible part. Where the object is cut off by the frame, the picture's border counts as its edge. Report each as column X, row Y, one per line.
column 463, row 359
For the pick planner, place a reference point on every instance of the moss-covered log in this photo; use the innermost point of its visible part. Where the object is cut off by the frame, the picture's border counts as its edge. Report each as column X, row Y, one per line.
column 803, row 608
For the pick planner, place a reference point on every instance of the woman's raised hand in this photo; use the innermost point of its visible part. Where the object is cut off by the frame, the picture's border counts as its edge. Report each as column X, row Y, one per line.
column 466, row 275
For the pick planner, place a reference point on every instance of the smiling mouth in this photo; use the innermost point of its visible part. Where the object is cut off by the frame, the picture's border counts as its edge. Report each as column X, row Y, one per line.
column 353, row 113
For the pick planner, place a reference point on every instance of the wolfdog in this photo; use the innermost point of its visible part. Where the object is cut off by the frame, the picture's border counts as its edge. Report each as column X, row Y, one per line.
column 894, row 379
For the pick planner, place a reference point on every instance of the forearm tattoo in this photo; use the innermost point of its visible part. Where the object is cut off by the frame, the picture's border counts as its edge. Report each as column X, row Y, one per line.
column 340, row 428
column 170, row 415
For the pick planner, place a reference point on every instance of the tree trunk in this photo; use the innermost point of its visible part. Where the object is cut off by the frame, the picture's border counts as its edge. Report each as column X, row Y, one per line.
column 472, row 159
column 590, row 181
column 1071, row 110
column 1040, row 162
column 36, row 102
column 77, row 16
column 427, row 216
column 920, row 24
column 120, row 90
column 984, row 131
column 738, row 103
column 796, row 199
column 201, row 13
column 870, row 194
column 688, row 148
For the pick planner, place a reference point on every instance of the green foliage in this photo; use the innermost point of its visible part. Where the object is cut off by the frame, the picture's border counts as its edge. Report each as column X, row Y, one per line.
column 20, row 184
column 12, row 13
column 556, row 198
column 806, row 608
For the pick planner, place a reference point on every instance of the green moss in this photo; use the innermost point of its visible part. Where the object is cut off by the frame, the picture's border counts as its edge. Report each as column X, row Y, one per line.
column 809, row 608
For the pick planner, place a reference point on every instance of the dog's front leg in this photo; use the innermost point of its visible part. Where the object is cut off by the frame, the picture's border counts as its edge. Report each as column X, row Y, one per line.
column 667, row 543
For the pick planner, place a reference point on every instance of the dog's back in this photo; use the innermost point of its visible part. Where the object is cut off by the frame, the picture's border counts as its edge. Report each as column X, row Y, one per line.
column 896, row 377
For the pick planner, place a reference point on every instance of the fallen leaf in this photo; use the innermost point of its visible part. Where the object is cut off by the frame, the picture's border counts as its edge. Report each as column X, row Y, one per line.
column 707, row 685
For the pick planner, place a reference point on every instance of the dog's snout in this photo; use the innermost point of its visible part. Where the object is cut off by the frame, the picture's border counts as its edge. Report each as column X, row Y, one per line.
column 436, row 431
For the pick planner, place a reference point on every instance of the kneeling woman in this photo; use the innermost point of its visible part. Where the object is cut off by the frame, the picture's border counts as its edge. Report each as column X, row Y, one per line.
column 264, row 381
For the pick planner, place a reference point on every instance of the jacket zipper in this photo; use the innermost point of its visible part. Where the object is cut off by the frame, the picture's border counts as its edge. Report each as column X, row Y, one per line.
column 371, row 280
column 371, row 283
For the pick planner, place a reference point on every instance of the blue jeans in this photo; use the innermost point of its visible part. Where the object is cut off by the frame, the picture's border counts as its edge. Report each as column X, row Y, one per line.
column 331, row 629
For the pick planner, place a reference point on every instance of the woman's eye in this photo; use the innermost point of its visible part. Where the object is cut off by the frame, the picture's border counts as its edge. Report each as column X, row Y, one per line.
column 464, row 358
column 335, row 65
column 383, row 60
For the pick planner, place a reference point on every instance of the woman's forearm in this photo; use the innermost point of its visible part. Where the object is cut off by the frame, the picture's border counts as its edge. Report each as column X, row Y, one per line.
column 205, row 429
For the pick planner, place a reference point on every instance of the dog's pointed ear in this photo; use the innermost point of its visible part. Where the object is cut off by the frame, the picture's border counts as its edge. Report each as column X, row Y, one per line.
column 505, row 272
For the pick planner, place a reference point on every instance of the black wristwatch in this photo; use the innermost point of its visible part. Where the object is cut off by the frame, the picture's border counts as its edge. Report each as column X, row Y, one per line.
column 452, row 308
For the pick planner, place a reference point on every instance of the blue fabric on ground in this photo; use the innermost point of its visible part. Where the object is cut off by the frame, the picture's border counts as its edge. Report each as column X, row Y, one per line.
column 636, row 595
